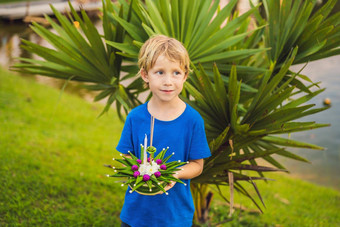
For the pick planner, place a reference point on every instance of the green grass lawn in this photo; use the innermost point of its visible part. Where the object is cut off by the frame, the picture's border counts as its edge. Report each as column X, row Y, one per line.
column 51, row 168
column 52, row 155
column 289, row 202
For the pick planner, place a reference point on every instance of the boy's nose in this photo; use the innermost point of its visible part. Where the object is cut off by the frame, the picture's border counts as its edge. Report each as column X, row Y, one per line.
column 167, row 79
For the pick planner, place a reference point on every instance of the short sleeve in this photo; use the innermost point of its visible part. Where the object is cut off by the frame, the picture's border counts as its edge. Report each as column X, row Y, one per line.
column 199, row 145
column 125, row 143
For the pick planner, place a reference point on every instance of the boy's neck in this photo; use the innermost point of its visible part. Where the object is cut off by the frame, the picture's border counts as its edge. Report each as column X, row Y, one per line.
column 166, row 111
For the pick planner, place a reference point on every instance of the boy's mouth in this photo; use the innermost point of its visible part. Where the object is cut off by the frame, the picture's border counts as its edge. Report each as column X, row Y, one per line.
column 167, row 91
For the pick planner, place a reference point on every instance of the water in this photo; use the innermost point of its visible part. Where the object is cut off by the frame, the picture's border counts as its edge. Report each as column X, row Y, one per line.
column 324, row 169
column 10, row 34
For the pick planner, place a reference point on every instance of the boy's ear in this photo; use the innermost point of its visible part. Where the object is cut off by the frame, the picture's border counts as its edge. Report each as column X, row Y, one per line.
column 144, row 75
column 186, row 77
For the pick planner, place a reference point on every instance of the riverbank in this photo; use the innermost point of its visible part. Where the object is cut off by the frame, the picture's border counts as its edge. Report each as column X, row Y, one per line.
column 52, row 153
column 13, row 10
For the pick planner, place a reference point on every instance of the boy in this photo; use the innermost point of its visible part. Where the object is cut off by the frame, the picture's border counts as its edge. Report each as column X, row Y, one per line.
column 164, row 67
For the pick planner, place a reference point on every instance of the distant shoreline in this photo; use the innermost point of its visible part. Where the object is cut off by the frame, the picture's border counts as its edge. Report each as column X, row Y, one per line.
column 20, row 10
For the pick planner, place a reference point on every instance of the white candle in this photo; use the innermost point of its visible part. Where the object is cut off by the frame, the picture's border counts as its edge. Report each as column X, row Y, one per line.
column 145, row 146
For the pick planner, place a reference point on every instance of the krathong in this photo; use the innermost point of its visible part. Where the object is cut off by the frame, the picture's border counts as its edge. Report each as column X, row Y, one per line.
column 148, row 175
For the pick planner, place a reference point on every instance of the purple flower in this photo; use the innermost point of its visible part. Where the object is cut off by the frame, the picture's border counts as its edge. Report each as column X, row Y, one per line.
column 139, row 161
column 163, row 167
column 157, row 174
column 134, row 167
column 136, row 174
column 159, row 161
column 148, row 159
column 146, row 177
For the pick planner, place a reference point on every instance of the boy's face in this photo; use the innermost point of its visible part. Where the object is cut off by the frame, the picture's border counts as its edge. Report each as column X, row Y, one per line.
column 165, row 79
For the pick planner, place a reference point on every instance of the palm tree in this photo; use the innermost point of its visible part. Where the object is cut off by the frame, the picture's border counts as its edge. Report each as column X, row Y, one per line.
column 241, row 82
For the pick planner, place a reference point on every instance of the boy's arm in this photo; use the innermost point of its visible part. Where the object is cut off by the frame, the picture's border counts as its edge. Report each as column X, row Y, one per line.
column 127, row 155
column 193, row 169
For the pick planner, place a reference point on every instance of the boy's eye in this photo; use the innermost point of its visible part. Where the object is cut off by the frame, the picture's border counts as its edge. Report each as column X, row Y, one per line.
column 177, row 73
column 159, row 72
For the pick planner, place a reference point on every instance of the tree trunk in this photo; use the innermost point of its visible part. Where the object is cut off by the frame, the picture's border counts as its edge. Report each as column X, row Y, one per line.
column 202, row 200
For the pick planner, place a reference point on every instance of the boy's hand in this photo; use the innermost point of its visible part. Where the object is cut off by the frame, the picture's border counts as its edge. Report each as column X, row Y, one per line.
column 127, row 156
column 170, row 185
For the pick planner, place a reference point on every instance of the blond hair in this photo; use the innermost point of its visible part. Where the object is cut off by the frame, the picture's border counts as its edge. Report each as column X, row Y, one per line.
column 159, row 45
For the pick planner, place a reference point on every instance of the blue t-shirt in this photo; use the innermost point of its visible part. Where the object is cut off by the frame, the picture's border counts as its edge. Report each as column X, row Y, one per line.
column 186, row 137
